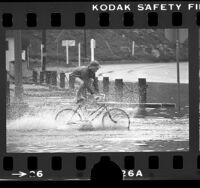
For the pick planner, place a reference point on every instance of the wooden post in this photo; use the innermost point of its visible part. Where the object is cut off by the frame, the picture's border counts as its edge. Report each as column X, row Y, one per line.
column 142, row 88
column 119, row 89
column 54, row 78
column 48, row 76
column 41, row 77
column 51, row 77
column 105, row 85
column 7, row 93
column 35, row 76
column 62, row 80
column 71, row 82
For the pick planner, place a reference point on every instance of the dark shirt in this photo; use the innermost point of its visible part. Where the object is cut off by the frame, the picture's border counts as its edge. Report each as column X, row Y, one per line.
column 85, row 74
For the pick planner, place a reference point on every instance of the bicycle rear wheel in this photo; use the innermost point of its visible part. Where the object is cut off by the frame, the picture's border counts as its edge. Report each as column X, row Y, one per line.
column 116, row 118
column 68, row 116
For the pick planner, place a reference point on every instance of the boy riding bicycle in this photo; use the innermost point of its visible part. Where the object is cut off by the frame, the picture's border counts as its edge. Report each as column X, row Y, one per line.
column 85, row 77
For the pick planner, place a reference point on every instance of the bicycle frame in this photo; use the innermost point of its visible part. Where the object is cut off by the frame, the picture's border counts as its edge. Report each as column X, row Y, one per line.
column 100, row 110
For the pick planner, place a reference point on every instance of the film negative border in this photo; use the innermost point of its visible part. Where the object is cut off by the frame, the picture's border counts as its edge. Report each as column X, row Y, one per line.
column 143, row 166
column 166, row 165
column 103, row 19
column 90, row 15
column 146, row 166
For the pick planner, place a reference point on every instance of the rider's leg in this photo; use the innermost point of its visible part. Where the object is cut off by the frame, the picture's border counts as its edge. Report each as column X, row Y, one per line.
column 81, row 99
column 80, row 93
column 90, row 83
column 82, row 90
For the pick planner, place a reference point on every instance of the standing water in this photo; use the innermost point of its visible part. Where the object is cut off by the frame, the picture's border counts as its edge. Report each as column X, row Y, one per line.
column 37, row 131
column 41, row 133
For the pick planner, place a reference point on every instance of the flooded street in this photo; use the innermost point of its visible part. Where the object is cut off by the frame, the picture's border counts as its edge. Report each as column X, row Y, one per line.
column 145, row 135
column 39, row 132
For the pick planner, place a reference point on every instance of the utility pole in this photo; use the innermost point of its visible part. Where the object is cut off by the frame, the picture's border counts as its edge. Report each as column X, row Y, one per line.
column 178, row 69
column 177, row 36
column 57, row 44
column 28, row 56
column 85, row 44
column 18, row 66
column 43, row 58
column 79, row 54
column 57, row 53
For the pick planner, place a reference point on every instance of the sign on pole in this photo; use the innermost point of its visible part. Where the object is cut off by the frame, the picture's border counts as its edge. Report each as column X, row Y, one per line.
column 92, row 46
column 71, row 42
column 177, row 36
column 64, row 42
column 68, row 43
column 171, row 34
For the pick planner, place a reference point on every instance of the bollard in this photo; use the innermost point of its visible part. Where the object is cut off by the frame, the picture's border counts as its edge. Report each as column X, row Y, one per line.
column 35, row 75
column 119, row 89
column 54, row 78
column 48, row 77
column 142, row 88
column 71, row 82
column 62, row 80
column 41, row 77
column 7, row 93
column 105, row 85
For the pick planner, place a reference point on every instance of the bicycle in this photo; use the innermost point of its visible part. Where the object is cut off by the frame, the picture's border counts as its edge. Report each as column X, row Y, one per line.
column 115, row 116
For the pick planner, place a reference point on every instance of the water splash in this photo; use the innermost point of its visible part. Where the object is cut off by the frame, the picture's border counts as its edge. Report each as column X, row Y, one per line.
column 39, row 121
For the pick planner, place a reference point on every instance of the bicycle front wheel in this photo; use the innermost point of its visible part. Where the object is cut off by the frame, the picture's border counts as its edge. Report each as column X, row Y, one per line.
column 116, row 118
column 68, row 116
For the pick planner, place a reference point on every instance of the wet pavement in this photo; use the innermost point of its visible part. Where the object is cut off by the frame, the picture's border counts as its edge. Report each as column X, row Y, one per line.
column 44, row 135
column 36, row 130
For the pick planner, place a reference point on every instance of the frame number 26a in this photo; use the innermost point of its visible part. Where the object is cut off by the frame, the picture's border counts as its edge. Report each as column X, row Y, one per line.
column 132, row 173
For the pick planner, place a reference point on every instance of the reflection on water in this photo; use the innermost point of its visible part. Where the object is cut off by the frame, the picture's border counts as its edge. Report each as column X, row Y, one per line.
column 42, row 134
